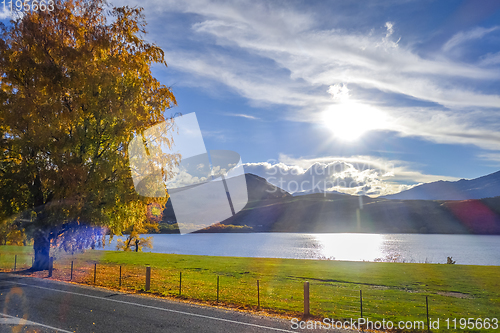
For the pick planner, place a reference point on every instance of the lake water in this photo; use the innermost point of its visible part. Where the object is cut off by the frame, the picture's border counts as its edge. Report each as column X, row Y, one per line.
column 419, row 248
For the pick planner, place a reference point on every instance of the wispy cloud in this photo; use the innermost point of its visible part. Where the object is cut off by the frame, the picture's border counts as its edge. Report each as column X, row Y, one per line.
column 280, row 55
column 242, row 115
column 494, row 158
column 476, row 127
column 466, row 36
column 490, row 59
column 216, row 135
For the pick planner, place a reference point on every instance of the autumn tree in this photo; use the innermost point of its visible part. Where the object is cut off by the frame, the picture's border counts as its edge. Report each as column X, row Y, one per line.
column 134, row 240
column 76, row 86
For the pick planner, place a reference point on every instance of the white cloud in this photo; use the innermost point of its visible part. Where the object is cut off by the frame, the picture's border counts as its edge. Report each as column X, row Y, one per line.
column 339, row 92
column 490, row 59
column 351, row 175
column 396, row 169
column 387, row 41
column 243, row 78
column 5, row 13
column 446, row 127
column 242, row 115
column 463, row 37
column 218, row 170
column 492, row 157
column 277, row 55
column 216, row 135
column 183, row 178
column 390, row 30
column 320, row 57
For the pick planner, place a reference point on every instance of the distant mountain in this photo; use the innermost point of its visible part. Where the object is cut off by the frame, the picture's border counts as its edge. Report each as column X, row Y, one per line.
column 346, row 213
column 483, row 187
column 270, row 209
column 258, row 190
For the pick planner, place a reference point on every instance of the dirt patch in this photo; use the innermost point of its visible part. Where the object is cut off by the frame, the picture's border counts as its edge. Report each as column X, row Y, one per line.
column 454, row 294
column 348, row 283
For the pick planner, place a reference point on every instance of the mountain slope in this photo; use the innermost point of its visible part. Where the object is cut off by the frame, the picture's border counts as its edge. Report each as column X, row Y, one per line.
column 258, row 190
column 345, row 213
column 271, row 209
column 483, row 187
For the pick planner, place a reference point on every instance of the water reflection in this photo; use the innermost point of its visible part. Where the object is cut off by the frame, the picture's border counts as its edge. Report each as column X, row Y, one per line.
column 351, row 247
column 412, row 248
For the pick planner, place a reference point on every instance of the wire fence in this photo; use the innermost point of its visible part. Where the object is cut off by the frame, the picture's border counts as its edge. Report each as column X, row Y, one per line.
column 328, row 299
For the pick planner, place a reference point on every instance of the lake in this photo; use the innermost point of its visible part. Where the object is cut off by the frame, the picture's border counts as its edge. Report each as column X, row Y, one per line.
column 418, row 248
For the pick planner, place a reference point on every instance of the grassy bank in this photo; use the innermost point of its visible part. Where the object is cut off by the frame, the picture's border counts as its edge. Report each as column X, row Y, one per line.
column 391, row 291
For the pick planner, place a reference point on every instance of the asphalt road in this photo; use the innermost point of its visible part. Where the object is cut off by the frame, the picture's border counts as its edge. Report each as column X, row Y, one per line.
column 39, row 305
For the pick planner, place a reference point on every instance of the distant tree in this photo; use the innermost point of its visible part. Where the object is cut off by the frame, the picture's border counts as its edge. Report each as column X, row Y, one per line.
column 134, row 243
column 76, row 86
column 134, row 230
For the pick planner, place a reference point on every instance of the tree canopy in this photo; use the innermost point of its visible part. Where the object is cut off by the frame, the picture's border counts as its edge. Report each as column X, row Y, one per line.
column 76, row 86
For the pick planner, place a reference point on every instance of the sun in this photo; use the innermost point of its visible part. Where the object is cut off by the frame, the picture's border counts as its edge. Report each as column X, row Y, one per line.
column 350, row 120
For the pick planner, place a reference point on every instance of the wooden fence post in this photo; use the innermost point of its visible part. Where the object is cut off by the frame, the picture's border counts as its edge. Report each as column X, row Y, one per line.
column 427, row 307
column 148, row 278
column 51, row 265
column 217, row 289
column 180, row 283
column 15, row 262
column 258, row 295
column 306, row 298
column 95, row 271
column 361, row 302
column 71, row 276
column 120, row 282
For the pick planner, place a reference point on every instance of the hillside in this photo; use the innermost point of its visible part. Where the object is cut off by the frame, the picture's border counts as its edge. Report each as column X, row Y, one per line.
column 483, row 187
column 258, row 190
column 317, row 213
column 272, row 210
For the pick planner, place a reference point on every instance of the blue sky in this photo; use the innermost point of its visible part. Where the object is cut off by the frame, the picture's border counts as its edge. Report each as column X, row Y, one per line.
column 394, row 93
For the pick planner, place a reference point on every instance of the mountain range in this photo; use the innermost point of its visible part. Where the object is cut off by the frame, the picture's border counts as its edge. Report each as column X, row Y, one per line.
column 483, row 187
column 271, row 209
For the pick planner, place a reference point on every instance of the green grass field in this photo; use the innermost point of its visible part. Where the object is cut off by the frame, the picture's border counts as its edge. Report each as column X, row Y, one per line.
column 8, row 253
column 391, row 291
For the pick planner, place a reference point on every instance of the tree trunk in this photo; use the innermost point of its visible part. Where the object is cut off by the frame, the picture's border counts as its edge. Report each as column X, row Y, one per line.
column 41, row 244
column 41, row 247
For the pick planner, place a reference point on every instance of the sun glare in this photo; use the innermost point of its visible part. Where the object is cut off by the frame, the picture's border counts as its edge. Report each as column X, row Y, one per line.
column 350, row 120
